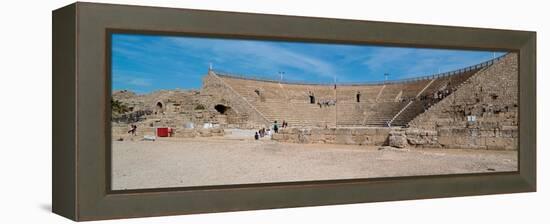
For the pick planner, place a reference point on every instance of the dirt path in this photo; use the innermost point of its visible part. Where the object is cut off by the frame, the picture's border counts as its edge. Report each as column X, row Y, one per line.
column 211, row 161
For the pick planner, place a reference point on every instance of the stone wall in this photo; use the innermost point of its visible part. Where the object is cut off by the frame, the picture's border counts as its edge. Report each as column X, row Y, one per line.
column 348, row 136
column 490, row 97
column 455, row 138
column 176, row 108
column 170, row 108
column 414, row 138
column 479, row 137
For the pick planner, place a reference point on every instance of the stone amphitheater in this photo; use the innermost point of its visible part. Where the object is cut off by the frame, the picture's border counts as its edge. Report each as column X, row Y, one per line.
column 472, row 108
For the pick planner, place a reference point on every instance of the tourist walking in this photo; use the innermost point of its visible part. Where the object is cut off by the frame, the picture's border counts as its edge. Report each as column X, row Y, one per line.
column 133, row 130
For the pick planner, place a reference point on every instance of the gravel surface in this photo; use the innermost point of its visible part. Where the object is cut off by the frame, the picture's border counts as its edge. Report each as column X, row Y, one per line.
column 229, row 160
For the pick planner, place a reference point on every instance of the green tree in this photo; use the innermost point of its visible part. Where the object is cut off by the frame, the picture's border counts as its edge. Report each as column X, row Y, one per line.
column 118, row 107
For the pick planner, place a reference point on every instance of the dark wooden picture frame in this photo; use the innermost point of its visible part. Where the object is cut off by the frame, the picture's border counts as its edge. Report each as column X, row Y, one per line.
column 81, row 112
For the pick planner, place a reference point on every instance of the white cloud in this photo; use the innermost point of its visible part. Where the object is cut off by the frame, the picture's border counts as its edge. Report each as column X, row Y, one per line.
column 415, row 62
column 183, row 56
column 129, row 79
column 382, row 57
column 259, row 54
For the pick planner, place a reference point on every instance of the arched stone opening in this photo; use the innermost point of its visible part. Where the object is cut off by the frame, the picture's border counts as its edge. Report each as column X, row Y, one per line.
column 159, row 106
column 222, row 109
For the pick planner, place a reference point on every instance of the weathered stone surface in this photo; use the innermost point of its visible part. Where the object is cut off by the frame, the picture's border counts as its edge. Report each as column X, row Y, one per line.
column 217, row 131
column 501, row 143
column 365, row 141
column 348, row 136
column 205, row 133
column 491, row 96
column 344, row 138
column 424, row 138
column 303, row 136
column 397, row 139
column 509, row 131
column 184, row 133
column 277, row 137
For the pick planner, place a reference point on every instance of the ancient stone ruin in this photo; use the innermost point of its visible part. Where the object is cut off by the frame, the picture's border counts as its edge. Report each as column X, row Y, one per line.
column 474, row 107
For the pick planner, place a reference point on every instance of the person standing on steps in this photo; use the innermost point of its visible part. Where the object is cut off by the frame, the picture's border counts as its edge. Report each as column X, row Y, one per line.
column 275, row 127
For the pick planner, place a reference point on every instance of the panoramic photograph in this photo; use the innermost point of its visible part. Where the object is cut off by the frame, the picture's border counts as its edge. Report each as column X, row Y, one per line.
column 203, row 111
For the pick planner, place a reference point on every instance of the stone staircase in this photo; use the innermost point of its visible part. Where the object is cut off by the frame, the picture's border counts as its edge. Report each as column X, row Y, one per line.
column 418, row 106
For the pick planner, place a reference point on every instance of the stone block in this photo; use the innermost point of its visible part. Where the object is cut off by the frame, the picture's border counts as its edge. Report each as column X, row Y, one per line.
column 205, row 133
column 343, row 131
column 303, row 138
column 373, row 131
column 184, row 133
column 318, row 131
column 488, row 124
column 474, row 132
column 399, row 141
column 509, row 131
column 487, row 133
column 501, row 143
column 360, row 131
column 380, row 140
column 383, row 131
column 397, row 138
column 446, row 140
column 344, row 139
column 365, row 141
column 445, row 132
column 277, row 137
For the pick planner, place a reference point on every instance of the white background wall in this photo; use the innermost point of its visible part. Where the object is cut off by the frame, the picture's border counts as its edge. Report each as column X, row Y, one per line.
column 25, row 115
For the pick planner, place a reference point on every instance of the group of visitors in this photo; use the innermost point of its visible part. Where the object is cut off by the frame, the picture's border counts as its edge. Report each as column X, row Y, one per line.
column 326, row 103
column 267, row 132
column 431, row 99
column 436, row 96
column 285, row 124
column 262, row 133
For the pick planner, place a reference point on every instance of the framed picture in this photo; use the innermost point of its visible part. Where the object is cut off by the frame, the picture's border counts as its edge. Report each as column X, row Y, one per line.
column 161, row 111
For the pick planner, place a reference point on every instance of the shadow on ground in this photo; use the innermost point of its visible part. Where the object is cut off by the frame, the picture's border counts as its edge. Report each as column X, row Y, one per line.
column 46, row 207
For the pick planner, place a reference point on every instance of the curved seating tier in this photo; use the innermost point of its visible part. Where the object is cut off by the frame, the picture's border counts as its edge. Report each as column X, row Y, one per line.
column 377, row 105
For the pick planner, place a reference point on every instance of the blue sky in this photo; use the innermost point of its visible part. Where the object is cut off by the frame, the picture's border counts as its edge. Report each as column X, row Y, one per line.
column 146, row 63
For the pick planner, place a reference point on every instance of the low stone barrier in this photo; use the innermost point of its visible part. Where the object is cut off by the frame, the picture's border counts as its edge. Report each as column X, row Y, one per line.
column 197, row 132
column 347, row 136
column 504, row 138
column 492, row 138
column 122, row 132
column 413, row 137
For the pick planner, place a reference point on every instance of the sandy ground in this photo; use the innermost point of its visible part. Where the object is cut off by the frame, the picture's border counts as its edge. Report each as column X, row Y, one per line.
column 234, row 159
